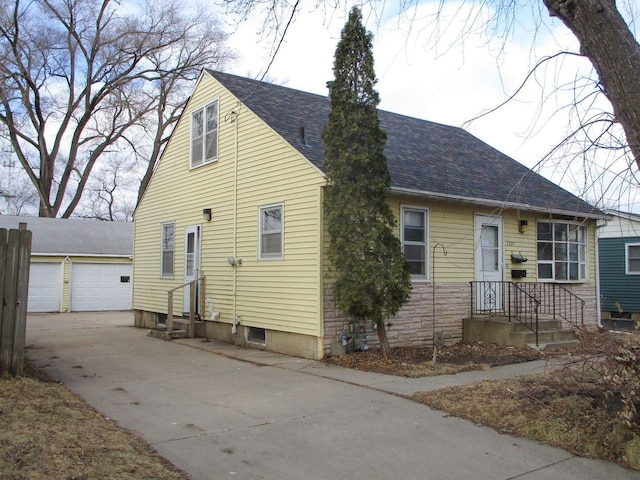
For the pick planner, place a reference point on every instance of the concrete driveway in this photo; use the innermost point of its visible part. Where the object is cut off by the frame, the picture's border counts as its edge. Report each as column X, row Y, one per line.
column 218, row 411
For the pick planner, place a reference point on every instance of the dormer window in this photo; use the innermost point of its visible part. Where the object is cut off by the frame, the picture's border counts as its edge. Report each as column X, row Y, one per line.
column 204, row 135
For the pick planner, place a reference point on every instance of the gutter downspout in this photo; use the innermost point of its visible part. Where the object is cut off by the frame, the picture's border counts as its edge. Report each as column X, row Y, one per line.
column 235, row 220
column 67, row 259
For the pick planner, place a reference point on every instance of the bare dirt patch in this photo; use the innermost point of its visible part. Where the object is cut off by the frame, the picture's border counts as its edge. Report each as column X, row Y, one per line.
column 578, row 407
column 48, row 432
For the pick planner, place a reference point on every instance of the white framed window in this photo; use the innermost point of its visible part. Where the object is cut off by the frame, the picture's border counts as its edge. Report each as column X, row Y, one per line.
column 632, row 258
column 204, row 135
column 168, row 248
column 414, row 235
column 562, row 250
column 270, row 235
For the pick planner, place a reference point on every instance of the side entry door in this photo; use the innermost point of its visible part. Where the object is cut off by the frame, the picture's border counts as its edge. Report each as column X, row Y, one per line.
column 191, row 263
column 488, row 263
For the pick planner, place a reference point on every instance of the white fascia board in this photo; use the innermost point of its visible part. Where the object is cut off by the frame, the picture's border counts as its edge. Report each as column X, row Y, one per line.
column 491, row 203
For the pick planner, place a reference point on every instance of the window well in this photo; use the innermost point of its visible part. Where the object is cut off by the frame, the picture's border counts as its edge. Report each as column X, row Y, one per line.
column 257, row 335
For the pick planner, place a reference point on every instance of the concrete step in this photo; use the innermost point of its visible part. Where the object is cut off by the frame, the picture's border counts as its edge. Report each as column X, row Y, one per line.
column 183, row 324
column 162, row 333
column 543, row 325
column 504, row 332
column 544, row 336
column 552, row 346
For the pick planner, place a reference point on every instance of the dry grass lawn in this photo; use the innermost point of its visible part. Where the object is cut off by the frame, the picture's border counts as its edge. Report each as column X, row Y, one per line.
column 552, row 408
column 47, row 432
column 575, row 408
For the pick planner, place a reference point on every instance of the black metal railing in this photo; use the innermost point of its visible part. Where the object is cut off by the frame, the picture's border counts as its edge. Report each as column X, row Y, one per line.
column 568, row 306
column 490, row 298
column 526, row 309
column 557, row 302
column 526, row 301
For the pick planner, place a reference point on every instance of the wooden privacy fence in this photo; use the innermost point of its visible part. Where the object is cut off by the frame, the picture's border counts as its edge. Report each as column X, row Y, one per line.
column 15, row 256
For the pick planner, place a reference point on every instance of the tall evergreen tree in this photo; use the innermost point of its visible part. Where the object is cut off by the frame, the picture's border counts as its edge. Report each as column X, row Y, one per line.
column 372, row 275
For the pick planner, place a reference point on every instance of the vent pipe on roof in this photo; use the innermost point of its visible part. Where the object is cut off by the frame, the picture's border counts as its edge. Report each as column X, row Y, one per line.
column 330, row 87
column 301, row 137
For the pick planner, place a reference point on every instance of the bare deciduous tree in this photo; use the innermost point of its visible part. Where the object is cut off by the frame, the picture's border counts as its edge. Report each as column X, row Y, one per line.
column 602, row 30
column 606, row 40
column 20, row 199
column 110, row 193
column 77, row 76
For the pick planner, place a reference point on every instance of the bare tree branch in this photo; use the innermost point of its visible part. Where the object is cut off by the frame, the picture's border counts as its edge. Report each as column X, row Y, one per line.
column 75, row 76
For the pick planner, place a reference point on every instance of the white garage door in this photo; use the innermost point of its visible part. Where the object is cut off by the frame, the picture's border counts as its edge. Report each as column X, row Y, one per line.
column 45, row 292
column 100, row 286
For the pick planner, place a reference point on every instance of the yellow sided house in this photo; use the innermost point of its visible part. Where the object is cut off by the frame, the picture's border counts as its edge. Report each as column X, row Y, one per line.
column 229, row 239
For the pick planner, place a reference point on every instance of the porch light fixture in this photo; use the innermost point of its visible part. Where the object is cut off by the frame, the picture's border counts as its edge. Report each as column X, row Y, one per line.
column 206, row 214
column 523, row 225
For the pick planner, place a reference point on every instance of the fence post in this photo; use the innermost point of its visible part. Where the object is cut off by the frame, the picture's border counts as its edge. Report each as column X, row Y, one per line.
column 3, row 262
column 20, row 326
column 15, row 257
column 9, row 307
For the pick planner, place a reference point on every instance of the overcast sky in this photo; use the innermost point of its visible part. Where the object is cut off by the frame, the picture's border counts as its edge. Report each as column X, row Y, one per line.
column 443, row 83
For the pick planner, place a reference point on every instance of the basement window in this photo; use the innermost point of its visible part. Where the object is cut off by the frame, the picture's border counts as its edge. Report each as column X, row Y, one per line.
column 161, row 318
column 256, row 335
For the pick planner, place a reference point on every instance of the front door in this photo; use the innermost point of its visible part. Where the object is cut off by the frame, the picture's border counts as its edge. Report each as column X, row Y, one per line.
column 488, row 263
column 191, row 263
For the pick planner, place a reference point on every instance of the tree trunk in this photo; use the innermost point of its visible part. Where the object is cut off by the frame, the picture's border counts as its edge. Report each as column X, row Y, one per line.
column 384, row 341
column 605, row 39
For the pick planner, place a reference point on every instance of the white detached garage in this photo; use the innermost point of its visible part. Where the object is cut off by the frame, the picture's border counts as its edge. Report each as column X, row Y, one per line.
column 100, row 286
column 78, row 265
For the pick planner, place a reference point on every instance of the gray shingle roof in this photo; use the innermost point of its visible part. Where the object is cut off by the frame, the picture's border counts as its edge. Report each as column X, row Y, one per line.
column 424, row 158
column 75, row 236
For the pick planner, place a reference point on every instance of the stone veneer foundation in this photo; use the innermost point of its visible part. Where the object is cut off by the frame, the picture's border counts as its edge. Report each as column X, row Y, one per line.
column 414, row 322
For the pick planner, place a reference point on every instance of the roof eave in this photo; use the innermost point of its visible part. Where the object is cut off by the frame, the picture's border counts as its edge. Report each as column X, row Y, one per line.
column 85, row 254
column 626, row 215
column 494, row 203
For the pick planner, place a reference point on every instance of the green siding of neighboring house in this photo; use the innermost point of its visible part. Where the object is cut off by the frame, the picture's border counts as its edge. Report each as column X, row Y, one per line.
column 620, row 292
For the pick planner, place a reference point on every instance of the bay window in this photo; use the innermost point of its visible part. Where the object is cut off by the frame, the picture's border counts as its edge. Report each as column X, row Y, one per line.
column 561, row 251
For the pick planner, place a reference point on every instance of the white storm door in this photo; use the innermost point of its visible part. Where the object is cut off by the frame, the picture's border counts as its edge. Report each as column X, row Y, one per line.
column 488, row 263
column 191, row 262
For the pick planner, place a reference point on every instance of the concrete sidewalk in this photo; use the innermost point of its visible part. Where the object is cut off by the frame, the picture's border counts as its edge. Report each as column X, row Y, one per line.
column 219, row 411
column 377, row 381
